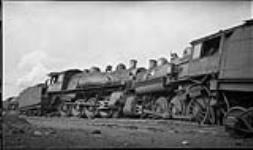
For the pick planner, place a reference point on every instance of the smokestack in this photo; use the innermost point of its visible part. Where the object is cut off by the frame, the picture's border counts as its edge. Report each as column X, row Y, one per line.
column 108, row 68
column 132, row 64
column 152, row 64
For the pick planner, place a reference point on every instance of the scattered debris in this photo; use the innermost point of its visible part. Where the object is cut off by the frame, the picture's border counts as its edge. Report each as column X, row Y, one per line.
column 185, row 142
column 37, row 133
column 155, row 129
column 125, row 144
column 132, row 127
column 96, row 132
column 238, row 143
column 50, row 132
column 152, row 140
column 175, row 131
column 13, row 124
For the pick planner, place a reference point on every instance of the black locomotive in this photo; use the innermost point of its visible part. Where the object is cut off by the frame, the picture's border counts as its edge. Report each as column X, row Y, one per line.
column 211, row 83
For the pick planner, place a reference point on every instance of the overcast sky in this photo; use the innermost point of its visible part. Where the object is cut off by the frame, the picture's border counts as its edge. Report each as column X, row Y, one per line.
column 52, row 36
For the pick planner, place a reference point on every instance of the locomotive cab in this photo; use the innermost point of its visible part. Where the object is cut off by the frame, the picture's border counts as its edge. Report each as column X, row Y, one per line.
column 218, row 75
column 59, row 80
column 54, row 83
column 205, row 56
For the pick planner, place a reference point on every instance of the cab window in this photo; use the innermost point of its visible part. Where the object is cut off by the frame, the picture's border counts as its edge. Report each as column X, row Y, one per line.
column 210, row 47
column 196, row 51
column 206, row 48
column 60, row 78
column 53, row 79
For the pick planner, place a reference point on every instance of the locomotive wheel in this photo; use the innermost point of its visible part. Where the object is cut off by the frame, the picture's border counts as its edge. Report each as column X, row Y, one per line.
column 197, row 109
column 116, row 113
column 28, row 113
column 231, row 120
column 176, row 106
column 211, row 115
column 75, row 110
column 161, row 107
column 107, row 113
column 90, row 111
column 130, row 106
column 63, row 110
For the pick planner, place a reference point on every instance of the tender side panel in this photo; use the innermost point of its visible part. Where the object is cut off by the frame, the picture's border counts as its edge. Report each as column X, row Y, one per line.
column 30, row 96
column 237, row 57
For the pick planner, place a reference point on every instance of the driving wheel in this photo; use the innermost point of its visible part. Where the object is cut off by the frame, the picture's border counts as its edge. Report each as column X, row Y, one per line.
column 90, row 111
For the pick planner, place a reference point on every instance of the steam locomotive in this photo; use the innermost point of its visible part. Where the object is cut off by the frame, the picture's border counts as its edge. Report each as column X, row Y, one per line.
column 211, row 83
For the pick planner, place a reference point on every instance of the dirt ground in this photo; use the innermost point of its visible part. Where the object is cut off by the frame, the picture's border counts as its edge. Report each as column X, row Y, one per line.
column 124, row 133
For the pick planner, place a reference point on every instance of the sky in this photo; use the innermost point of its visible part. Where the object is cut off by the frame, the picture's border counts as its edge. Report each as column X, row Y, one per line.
column 39, row 37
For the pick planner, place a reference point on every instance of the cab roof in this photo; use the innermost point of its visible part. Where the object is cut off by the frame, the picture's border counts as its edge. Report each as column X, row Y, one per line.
column 63, row 72
column 246, row 22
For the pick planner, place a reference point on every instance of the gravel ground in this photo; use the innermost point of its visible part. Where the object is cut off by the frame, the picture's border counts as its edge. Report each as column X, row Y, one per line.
column 124, row 133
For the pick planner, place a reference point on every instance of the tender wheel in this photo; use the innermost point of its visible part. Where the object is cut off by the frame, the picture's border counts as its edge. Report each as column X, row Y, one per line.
column 246, row 119
column 231, row 120
column 239, row 122
column 161, row 107
column 90, row 111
